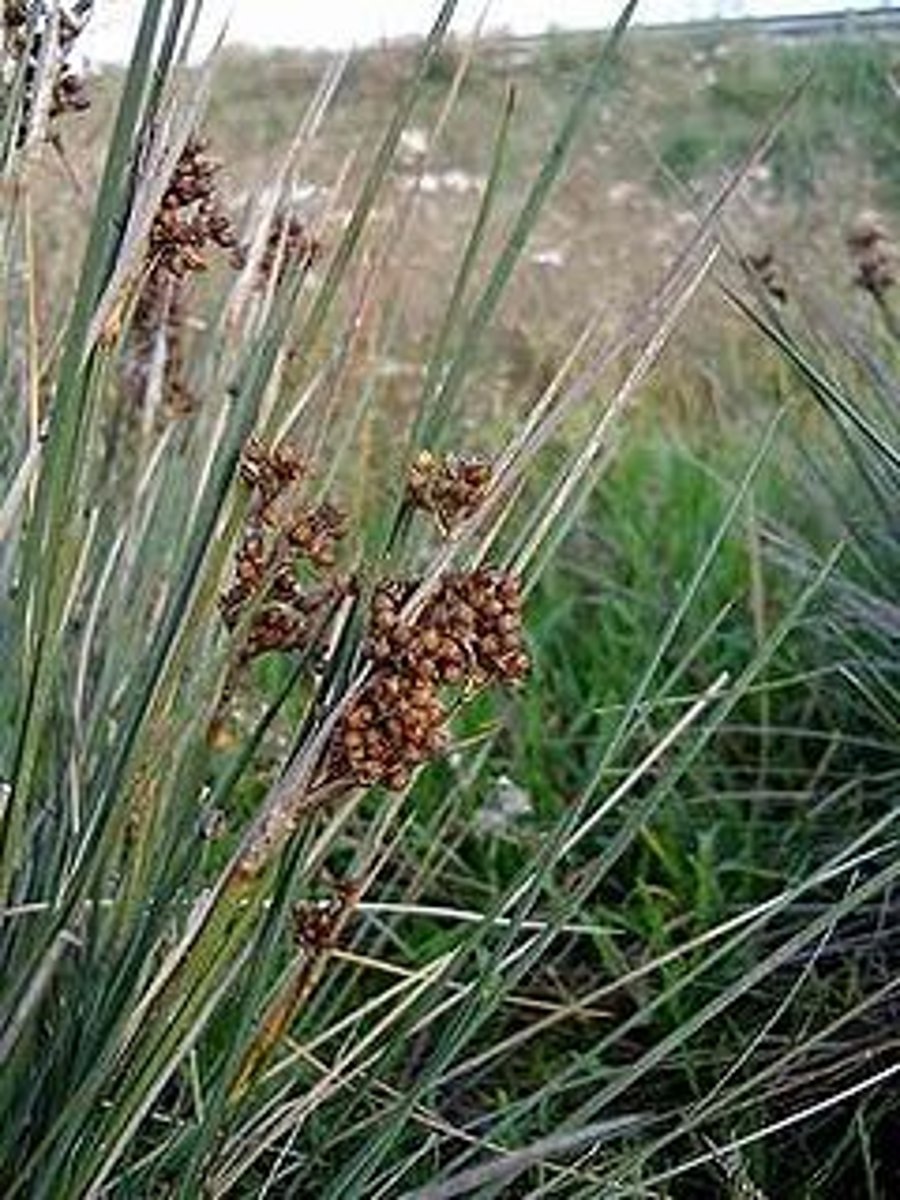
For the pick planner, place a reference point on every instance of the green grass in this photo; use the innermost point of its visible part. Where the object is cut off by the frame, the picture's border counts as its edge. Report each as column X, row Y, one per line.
column 846, row 110
column 745, row 821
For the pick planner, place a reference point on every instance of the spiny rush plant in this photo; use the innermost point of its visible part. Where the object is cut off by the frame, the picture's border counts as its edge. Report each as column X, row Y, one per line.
column 224, row 684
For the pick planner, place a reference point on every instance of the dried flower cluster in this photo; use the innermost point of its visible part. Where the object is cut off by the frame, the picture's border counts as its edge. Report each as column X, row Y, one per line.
column 275, row 474
column 450, row 488
column 70, row 93
column 766, row 269
column 318, row 924
column 397, row 724
column 191, row 221
column 468, row 633
column 191, row 216
column 873, row 255
column 289, row 247
column 25, row 26
column 287, row 615
column 269, row 471
column 283, row 532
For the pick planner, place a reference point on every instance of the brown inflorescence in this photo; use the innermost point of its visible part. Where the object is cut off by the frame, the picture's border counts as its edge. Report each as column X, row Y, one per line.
column 275, row 474
column 69, row 93
column 469, row 631
column 397, row 723
column 270, row 470
column 873, row 254
column 283, row 532
column 24, row 32
column 450, row 488
column 190, row 223
column 318, row 924
column 285, row 615
column 468, row 634
column 69, row 89
column 191, row 217
column 289, row 247
column 764, row 266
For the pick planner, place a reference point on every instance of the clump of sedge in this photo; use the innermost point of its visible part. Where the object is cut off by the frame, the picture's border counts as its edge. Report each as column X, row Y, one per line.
column 468, row 634
column 449, row 488
column 190, row 224
column 873, row 255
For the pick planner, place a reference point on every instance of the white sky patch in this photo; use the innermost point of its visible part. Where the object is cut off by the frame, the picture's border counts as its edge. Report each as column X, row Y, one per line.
column 339, row 24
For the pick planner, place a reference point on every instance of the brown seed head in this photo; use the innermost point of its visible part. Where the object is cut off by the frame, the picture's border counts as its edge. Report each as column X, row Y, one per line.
column 289, row 247
column 764, row 266
column 874, row 255
column 449, row 488
column 266, row 590
column 469, row 633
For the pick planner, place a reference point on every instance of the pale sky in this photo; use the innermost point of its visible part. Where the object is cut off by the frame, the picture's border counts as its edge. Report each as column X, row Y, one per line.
column 343, row 23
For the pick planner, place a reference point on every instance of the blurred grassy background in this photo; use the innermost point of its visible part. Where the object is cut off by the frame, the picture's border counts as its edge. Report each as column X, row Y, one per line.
column 679, row 114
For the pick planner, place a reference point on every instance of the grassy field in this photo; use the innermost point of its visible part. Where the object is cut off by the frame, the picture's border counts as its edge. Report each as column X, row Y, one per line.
column 626, row 926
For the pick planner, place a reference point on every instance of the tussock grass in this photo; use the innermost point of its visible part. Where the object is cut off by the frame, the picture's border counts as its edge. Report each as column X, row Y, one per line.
column 630, row 931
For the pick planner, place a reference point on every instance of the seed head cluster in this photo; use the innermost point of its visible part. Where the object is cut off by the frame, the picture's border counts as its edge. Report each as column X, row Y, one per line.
column 397, row 724
column 469, row 633
column 450, row 488
column 275, row 476
column 873, row 255
column 271, row 470
column 191, row 222
column 766, row 269
column 289, row 247
column 191, row 218
column 283, row 532
column 287, row 615
column 25, row 27
column 70, row 94
column 318, row 924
